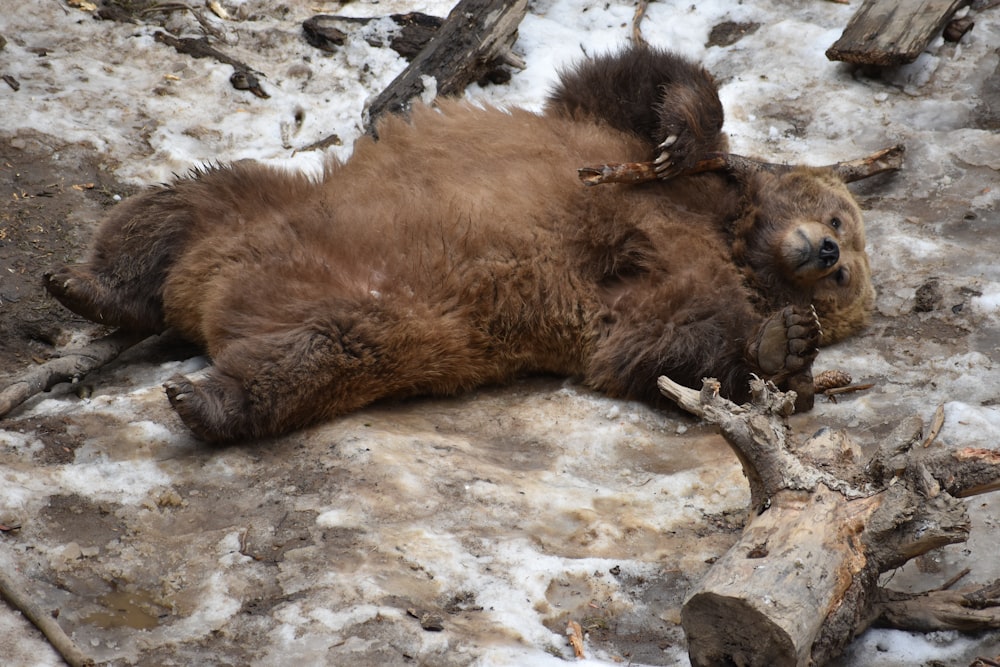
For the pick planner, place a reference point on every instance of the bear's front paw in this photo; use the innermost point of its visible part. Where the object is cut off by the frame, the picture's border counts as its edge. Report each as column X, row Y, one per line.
column 786, row 343
column 673, row 157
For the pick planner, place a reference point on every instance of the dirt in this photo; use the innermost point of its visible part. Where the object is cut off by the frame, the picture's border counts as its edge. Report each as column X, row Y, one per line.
column 728, row 33
column 52, row 195
column 337, row 544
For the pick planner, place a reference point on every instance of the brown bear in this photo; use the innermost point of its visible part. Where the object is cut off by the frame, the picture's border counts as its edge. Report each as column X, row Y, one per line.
column 460, row 249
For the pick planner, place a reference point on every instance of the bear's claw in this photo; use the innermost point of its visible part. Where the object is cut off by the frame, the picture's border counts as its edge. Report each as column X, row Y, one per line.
column 675, row 153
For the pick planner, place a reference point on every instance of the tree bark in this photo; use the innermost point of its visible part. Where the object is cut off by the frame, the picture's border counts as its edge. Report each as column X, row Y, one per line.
column 825, row 522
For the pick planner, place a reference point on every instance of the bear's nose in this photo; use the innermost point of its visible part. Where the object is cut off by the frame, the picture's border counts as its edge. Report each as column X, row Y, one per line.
column 829, row 252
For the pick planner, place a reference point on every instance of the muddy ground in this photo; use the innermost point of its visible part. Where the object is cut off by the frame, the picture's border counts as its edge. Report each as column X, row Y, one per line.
column 468, row 531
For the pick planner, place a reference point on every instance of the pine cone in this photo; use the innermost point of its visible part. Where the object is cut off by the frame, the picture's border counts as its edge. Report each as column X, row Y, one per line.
column 831, row 379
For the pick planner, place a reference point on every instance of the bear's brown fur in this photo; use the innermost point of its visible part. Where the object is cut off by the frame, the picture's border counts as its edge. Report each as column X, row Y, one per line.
column 461, row 249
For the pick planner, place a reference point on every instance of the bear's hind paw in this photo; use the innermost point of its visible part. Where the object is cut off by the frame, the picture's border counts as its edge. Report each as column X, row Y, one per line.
column 77, row 289
column 210, row 415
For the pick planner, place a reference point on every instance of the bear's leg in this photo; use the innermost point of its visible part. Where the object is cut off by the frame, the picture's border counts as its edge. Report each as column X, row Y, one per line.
column 275, row 382
column 659, row 96
column 271, row 383
column 693, row 337
column 213, row 408
column 121, row 284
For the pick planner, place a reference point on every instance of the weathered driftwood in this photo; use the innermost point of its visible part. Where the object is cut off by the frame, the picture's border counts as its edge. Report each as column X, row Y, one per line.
column 887, row 159
column 72, row 366
column 474, row 39
column 825, row 522
column 892, row 32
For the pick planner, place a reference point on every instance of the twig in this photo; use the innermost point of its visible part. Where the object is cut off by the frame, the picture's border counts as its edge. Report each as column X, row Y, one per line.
column 833, row 391
column 71, row 366
column 243, row 77
column 954, row 580
column 640, row 13
column 887, row 159
column 575, row 633
column 60, row 641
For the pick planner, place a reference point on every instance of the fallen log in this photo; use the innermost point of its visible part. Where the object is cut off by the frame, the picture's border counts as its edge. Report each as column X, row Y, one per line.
column 885, row 160
column 802, row 580
column 892, row 32
column 474, row 39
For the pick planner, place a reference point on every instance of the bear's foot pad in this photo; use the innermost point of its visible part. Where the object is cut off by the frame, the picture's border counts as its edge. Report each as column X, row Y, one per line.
column 786, row 343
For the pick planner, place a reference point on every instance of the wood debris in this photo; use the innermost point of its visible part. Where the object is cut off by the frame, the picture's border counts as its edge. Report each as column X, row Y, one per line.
column 936, row 424
column 575, row 633
column 841, row 518
column 243, row 77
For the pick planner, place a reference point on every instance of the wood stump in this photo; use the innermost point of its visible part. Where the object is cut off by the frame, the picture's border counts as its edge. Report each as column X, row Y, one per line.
column 826, row 521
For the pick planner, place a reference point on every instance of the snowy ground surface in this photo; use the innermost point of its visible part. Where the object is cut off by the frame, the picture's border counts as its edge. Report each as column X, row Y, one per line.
column 511, row 510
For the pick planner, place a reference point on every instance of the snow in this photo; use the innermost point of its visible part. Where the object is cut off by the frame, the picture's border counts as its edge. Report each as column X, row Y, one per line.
column 531, row 497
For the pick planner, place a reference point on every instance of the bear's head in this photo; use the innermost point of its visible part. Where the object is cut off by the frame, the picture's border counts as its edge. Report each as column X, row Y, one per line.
column 803, row 241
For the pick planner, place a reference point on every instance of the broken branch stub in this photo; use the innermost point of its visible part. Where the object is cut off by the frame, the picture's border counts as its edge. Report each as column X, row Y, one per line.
column 802, row 580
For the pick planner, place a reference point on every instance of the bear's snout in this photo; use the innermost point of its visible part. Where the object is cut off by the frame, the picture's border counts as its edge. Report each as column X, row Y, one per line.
column 829, row 252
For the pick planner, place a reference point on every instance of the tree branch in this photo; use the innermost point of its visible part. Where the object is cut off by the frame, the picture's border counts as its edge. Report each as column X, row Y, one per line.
column 887, row 159
column 72, row 366
column 60, row 641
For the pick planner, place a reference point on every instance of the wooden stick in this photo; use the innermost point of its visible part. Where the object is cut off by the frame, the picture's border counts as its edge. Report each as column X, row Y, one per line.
column 60, row 641
column 834, row 391
column 243, row 78
column 640, row 13
column 887, row 159
column 70, row 367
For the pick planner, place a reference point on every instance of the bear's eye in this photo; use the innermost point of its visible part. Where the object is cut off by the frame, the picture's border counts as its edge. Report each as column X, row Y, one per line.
column 835, row 222
column 842, row 277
